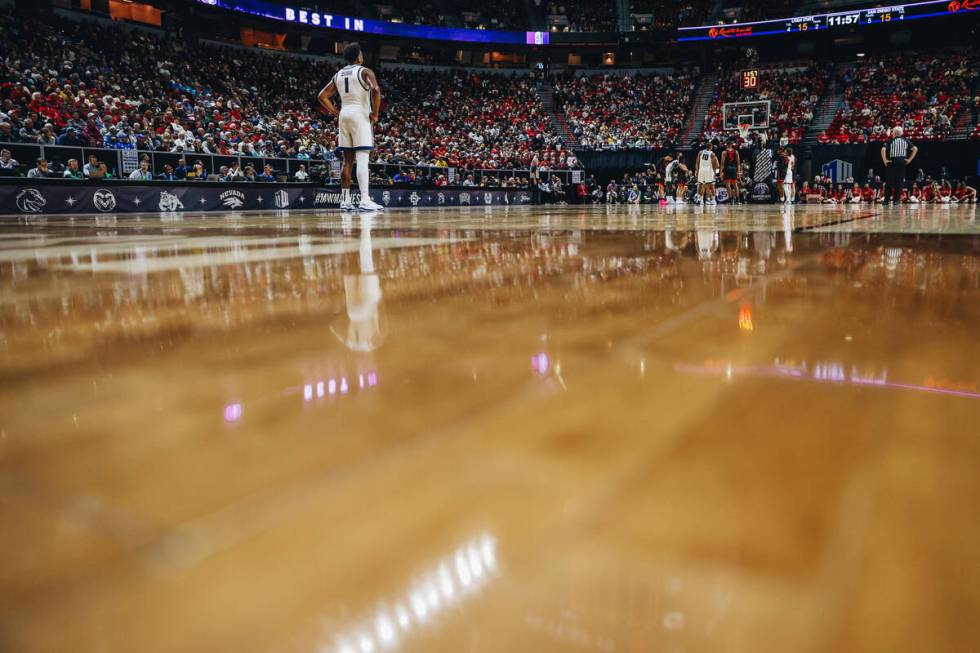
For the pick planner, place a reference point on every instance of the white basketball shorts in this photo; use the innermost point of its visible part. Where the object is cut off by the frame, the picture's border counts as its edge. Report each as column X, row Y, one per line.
column 354, row 132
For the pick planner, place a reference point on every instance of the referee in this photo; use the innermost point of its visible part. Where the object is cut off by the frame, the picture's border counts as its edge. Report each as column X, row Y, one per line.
column 896, row 154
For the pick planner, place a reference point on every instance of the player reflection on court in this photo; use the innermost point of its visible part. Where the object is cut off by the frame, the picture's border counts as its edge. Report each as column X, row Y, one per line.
column 362, row 331
column 708, row 242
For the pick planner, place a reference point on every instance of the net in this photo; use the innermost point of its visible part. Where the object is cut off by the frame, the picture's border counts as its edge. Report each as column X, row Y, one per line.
column 743, row 130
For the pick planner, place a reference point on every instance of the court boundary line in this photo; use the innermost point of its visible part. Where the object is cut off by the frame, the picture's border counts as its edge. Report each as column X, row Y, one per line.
column 834, row 223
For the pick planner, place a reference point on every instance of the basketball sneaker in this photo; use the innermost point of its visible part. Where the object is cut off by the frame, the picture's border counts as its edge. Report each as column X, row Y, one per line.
column 367, row 204
column 346, row 206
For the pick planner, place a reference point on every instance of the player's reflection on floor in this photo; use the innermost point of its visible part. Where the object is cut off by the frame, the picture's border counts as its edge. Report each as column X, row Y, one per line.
column 362, row 330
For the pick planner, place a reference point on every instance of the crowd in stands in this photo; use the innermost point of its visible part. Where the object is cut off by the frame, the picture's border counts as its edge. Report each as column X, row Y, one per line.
column 923, row 94
column 585, row 15
column 793, row 93
column 98, row 85
column 975, row 117
column 608, row 112
column 502, row 15
column 460, row 119
column 668, row 14
column 742, row 12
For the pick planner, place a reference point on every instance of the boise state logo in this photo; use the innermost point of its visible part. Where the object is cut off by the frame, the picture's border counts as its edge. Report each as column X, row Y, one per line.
column 30, row 200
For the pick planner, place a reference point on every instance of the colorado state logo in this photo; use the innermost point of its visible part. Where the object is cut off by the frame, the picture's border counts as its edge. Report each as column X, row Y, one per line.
column 30, row 200
column 104, row 200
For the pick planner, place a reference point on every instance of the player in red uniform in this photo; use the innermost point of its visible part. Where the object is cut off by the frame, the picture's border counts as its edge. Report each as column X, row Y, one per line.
column 965, row 194
column 731, row 163
column 916, row 195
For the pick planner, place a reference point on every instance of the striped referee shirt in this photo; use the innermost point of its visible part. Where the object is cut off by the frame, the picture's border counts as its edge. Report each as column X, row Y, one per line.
column 898, row 148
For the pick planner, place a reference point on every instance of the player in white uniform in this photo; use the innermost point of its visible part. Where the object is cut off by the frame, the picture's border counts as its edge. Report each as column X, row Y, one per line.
column 707, row 172
column 789, row 181
column 360, row 103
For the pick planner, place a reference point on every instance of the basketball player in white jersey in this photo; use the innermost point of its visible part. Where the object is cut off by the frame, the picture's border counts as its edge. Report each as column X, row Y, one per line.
column 789, row 181
column 707, row 171
column 360, row 103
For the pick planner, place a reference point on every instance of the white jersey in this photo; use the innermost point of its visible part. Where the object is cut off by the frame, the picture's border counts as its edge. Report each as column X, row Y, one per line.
column 706, row 172
column 790, row 168
column 354, row 130
column 355, row 95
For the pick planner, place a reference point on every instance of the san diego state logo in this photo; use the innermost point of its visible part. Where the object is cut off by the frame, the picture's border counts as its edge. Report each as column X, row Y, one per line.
column 30, row 200
column 104, row 200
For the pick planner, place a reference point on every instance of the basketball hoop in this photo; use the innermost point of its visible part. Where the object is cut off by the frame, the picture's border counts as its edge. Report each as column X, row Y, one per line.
column 743, row 131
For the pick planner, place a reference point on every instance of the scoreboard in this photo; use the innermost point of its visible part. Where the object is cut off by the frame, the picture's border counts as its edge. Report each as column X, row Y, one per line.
column 846, row 18
column 834, row 20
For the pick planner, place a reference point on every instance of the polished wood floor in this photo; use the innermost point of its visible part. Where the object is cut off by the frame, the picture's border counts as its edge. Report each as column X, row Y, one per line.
column 507, row 430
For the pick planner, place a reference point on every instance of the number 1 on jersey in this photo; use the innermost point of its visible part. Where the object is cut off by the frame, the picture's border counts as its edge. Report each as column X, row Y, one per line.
column 346, row 85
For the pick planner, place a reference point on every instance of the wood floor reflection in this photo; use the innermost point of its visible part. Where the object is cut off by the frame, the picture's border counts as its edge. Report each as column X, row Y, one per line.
column 509, row 430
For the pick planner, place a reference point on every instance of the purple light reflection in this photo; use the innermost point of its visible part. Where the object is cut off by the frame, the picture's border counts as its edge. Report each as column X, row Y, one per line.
column 233, row 412
column 539, row 363
column 821, row 374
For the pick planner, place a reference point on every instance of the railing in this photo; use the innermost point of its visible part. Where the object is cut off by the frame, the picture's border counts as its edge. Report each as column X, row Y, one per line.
column 323, row 171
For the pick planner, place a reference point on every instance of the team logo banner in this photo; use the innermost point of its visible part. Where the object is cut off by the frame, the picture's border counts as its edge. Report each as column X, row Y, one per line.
column 51, row 198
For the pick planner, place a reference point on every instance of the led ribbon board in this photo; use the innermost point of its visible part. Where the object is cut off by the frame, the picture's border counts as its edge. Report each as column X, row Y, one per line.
column 833, row 20
column 298, row 16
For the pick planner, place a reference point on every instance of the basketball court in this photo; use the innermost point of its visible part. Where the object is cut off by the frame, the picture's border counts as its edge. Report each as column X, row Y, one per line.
column 535, row 429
